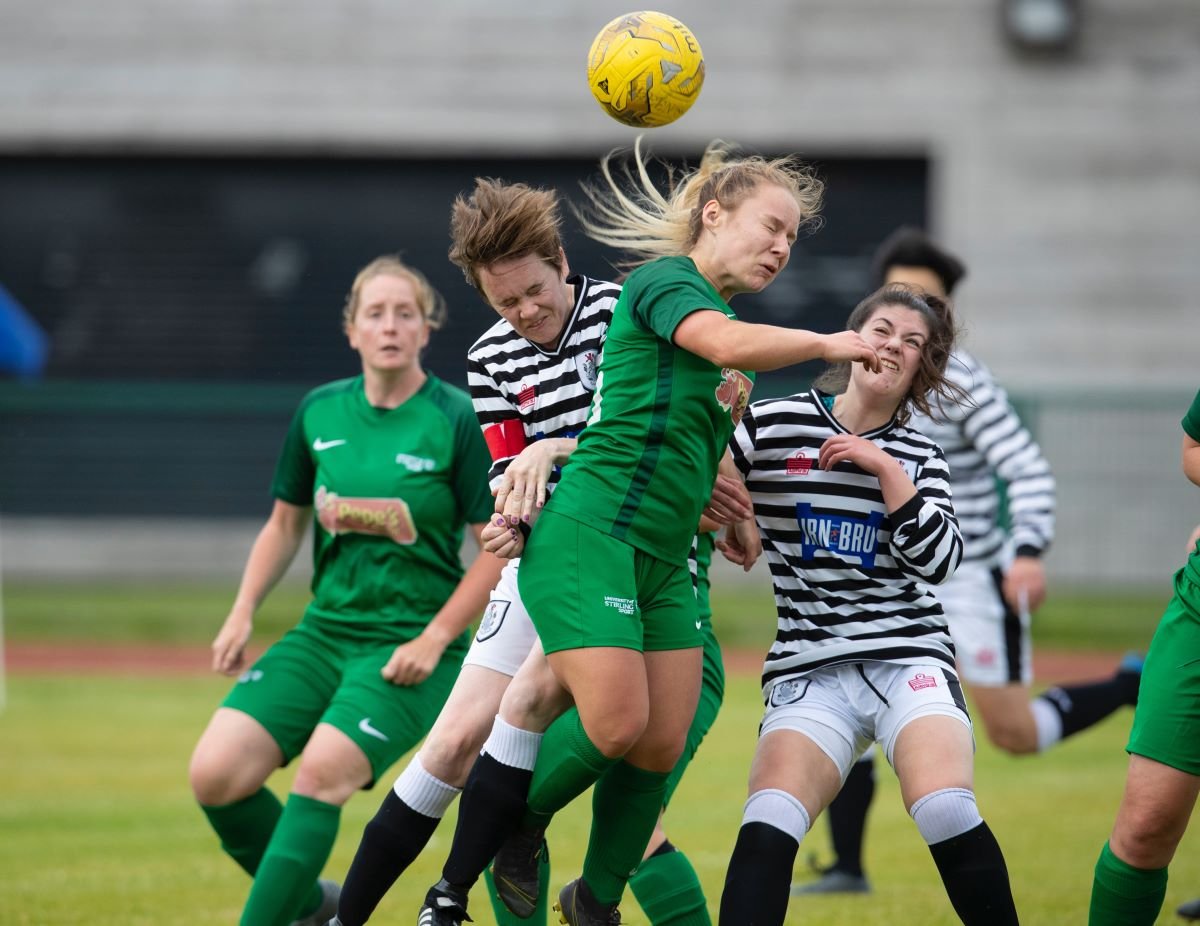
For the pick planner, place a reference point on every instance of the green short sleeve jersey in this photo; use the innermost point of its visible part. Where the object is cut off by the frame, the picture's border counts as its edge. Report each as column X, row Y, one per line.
column 391, row 489
column 1191, row 421
column 660, row 418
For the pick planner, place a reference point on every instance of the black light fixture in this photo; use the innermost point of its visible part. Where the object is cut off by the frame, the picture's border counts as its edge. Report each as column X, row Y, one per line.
column 1041, row 26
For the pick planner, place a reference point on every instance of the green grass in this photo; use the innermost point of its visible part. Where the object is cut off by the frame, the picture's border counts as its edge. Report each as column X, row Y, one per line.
column 180, row 612
column 100, row 828
column 99, row 825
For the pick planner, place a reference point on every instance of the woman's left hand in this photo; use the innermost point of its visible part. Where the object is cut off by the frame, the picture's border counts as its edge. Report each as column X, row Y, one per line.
column 742, row 544
column 414, row 661
column 523, row 487
column 850, row 448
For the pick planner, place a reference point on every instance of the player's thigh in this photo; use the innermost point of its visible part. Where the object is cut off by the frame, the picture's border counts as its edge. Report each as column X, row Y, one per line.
column 1166, row 724
column 673, row 688
column 536, row 697
column 933, row 752
column 233, row 758
column 787, row 759
column 822, row 708
column 712, row 695
column 992, row 642
column 609, row 686
column 1006, row 714
column 385, row 720
column 290, row 686
column 331, row 767
column 463, row 724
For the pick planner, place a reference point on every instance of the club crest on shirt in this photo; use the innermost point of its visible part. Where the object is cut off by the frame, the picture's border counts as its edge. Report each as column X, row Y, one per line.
column 493, row 618
column 585, row 365
column 733, row 393
column 845, row 536
column 788, row 691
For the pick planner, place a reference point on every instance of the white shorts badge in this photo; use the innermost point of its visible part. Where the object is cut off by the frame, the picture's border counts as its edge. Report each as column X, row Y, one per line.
column 493, row 617
column 788, row 691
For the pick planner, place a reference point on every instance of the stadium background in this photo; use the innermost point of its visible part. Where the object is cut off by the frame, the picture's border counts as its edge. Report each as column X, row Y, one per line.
column 186, row 189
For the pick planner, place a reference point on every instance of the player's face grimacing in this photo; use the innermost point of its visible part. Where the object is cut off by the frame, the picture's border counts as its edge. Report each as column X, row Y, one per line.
column 899, row 335
column 753, row 241
column 531, row 294
column 388, row 329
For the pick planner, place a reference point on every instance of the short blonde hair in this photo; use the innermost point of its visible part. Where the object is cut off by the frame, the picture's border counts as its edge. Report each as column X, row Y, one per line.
column 632, row 214
column 429, row 300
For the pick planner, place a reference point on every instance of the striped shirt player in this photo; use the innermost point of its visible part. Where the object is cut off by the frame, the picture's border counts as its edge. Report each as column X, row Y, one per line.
column 984, row 441
column 852, row 583
column 524, row 392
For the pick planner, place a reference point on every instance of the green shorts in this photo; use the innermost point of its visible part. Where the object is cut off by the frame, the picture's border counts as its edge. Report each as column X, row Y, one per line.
column 712, row 695
column 318, row 674
column 583, row 587
column 1166, row 725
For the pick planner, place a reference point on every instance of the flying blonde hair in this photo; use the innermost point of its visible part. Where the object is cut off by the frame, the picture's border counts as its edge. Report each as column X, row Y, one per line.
column 627, row 211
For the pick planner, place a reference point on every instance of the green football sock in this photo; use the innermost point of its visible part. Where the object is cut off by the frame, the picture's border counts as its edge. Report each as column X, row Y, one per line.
column 625, row 807
column 568, row 763
column 285, row 887
column 245, row 826
column 669, row 892
column 504, row 916
column 1123, row 895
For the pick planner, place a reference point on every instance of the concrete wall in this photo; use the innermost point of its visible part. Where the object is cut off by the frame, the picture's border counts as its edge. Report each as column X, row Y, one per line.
column 1072, row 185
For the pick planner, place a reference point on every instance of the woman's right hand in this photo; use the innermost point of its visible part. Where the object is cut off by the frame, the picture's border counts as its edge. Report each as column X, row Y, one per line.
column 849, row 346
column 500, row 539
column 229, row 648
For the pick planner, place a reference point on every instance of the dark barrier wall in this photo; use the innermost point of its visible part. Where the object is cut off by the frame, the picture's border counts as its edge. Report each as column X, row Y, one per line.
column 191, row 301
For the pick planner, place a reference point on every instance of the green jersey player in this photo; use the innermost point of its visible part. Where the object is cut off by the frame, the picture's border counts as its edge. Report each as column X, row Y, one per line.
column 1164, row 748
column 388, row 467
column 604, row 574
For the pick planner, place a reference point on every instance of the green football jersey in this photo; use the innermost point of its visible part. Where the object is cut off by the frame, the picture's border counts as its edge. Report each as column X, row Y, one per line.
column 391, row 491
column 660, row 418
column 1191, row 421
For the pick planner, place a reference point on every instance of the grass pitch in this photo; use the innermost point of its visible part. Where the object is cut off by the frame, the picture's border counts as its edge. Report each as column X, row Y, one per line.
column 100, row 828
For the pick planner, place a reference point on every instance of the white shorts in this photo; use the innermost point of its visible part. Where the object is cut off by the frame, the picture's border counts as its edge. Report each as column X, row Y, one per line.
column 843, row 709
column 992, row 642
column 505, row 635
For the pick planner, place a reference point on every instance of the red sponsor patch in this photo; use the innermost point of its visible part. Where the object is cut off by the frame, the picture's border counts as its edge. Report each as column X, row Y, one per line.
column 921, row 680
column 986, row 657
column 800, row 464
column 526, row 396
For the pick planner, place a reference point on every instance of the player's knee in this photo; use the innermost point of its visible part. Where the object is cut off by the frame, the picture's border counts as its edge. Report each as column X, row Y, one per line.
column 1146, row 840
column 616, row 734
column 324, row 778
column 449, row 755
column 213, row 782
column 944, row 814
column 1018, row 739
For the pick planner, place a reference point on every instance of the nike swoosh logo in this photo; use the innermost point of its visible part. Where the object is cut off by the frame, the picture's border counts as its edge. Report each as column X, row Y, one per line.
column 697, row 625
column 365, row 726
column 319, row 445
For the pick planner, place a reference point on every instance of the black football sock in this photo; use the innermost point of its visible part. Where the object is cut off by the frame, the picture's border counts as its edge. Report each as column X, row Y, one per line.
column 489, row 811
column 848, row 817
column 1081, row 706
column 390, row 842
column 760, row 869
column 976, row 878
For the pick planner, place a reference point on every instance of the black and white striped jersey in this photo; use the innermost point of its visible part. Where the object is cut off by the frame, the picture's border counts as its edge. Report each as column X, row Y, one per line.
column 852, row 583
column 523, row 392
column 983, row 441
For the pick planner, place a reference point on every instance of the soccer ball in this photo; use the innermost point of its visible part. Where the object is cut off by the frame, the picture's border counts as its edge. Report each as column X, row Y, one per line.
column 645, row 69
